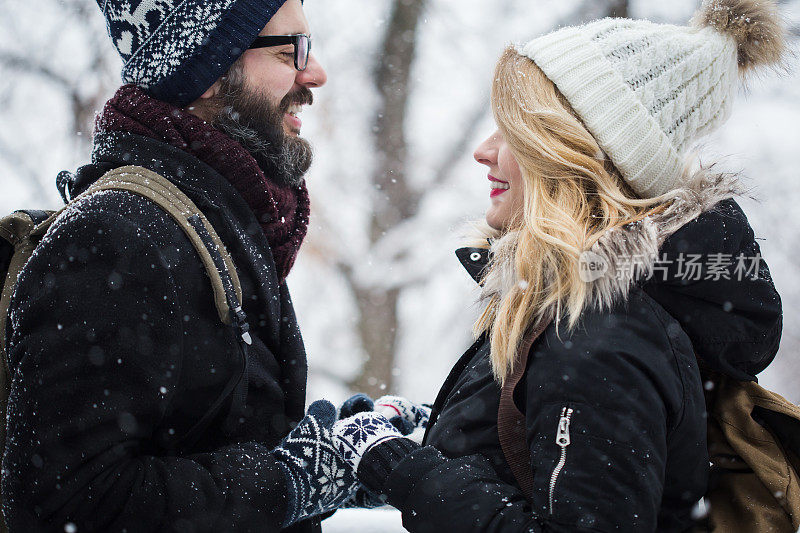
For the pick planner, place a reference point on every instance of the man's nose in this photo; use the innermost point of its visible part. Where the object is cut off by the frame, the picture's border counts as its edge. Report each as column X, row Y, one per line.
column 314, row 75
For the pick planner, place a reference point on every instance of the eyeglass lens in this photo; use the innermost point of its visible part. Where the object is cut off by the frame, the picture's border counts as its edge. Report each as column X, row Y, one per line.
column 301, row 55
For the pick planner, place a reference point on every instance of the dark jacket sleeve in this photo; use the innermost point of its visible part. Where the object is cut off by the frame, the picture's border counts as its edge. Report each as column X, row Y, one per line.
column 623, row 384
column 95, row 358
column 626, row 381
column 437, row 494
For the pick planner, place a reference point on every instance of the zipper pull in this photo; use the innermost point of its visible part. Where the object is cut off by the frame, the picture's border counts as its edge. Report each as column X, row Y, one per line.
column 562, row 435
column 563, row 440
column 239, row 320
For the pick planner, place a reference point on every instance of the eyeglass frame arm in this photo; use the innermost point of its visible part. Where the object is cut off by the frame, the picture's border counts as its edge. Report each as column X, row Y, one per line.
column 266, row 41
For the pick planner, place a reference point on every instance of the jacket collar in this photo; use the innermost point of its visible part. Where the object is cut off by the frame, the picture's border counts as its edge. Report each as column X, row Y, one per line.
column 111, row 150
column 474, row 260
column 202, row 184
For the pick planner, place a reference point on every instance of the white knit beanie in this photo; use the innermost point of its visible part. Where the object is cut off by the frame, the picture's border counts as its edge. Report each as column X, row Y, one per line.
column 647, row 91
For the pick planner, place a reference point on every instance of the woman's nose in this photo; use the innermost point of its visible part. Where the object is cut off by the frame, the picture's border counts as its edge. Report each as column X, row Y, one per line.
column 486, row 152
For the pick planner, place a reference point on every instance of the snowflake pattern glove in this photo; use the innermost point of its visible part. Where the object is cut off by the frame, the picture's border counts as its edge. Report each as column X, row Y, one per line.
column 318, row 480
column 414, row 415
column 409, row 418
column 356, row 435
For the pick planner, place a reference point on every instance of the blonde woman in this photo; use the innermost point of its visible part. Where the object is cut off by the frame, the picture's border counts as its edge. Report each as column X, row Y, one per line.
column 609, row 267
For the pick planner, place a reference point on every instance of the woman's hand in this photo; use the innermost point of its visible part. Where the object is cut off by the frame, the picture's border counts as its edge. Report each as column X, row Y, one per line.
column 361, row 403
column 409, row 418
column 356, row 435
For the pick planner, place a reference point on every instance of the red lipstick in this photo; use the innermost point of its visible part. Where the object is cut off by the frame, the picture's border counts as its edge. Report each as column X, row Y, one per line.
column 496, row 191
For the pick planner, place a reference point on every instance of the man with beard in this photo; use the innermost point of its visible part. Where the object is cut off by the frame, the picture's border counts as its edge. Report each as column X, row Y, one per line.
column 132, row 406
column 251, row 119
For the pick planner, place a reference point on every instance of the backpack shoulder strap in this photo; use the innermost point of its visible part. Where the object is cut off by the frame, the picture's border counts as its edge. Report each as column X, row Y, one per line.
column 24, row 230
column 511, row 422
column 215, row 257
column 218, row 265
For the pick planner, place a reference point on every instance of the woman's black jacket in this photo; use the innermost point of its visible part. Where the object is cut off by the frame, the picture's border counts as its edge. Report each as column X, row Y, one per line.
column 627, row 381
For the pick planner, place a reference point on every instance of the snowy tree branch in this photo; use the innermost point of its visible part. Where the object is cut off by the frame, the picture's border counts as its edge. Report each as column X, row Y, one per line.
column 22, row 166
column 13, row 61
column 459, row 148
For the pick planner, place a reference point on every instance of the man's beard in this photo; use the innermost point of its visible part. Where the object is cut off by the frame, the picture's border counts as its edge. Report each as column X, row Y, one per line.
column 257, row 124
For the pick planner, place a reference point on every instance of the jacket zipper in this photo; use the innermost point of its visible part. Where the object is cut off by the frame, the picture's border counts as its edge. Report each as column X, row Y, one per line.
column 563, row 440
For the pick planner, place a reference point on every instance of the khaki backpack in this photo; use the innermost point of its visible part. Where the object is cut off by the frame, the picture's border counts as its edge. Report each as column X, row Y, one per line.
column 754, row 449
column 22, row 231
column 753, row 445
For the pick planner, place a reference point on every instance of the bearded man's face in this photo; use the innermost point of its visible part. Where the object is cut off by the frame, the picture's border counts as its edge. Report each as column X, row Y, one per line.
column 254, row 121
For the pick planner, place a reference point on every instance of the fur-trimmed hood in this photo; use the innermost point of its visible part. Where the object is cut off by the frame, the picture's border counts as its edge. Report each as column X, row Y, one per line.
column 698, row 258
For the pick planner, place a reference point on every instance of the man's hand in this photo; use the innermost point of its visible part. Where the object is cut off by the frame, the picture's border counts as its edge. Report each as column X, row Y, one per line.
column 318, row 479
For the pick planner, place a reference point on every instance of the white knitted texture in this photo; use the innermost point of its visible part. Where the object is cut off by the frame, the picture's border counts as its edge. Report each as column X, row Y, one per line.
column 645, row 91
column 141, row 25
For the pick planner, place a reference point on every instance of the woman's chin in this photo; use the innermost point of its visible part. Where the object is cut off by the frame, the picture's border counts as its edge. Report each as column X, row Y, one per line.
column 494, row 222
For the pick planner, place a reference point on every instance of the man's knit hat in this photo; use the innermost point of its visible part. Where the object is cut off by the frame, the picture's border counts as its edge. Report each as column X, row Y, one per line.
column 176, row 49
column 647, row 91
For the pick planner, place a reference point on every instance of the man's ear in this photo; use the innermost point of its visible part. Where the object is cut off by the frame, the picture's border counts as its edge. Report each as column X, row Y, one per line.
column 203, row 107
column 212, row 91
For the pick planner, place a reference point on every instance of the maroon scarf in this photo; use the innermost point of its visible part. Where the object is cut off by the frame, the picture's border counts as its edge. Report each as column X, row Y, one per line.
column 281, row 210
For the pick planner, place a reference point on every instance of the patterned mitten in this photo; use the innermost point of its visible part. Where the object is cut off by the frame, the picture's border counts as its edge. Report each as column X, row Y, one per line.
column 409, row 418
column 317, row 478
column 414, row 416
column 357, row 403
column 356, row 435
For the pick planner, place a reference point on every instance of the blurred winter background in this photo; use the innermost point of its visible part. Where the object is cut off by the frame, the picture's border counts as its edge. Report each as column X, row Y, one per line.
column 382, row 301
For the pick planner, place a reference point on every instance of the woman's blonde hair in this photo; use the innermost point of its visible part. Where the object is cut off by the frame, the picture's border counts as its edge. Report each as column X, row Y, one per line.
column 573, row 194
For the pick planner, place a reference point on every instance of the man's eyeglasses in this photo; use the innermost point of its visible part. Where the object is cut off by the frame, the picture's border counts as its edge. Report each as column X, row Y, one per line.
column 301, row 42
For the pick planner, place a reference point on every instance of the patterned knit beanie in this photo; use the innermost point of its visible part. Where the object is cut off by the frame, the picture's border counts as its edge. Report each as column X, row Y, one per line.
column 176, row 49
column 647, row 91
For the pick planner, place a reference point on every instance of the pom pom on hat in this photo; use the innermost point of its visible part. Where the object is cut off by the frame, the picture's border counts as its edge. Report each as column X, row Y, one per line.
column 755, row 25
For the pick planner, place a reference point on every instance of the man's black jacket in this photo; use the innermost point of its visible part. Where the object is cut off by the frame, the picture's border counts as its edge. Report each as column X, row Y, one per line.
column 116, row 351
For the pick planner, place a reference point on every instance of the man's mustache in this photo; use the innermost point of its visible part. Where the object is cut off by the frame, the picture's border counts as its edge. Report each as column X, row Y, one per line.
column 302, row 96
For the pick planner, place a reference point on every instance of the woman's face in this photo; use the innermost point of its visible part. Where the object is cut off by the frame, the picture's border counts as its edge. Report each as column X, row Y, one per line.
column 505, row 179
